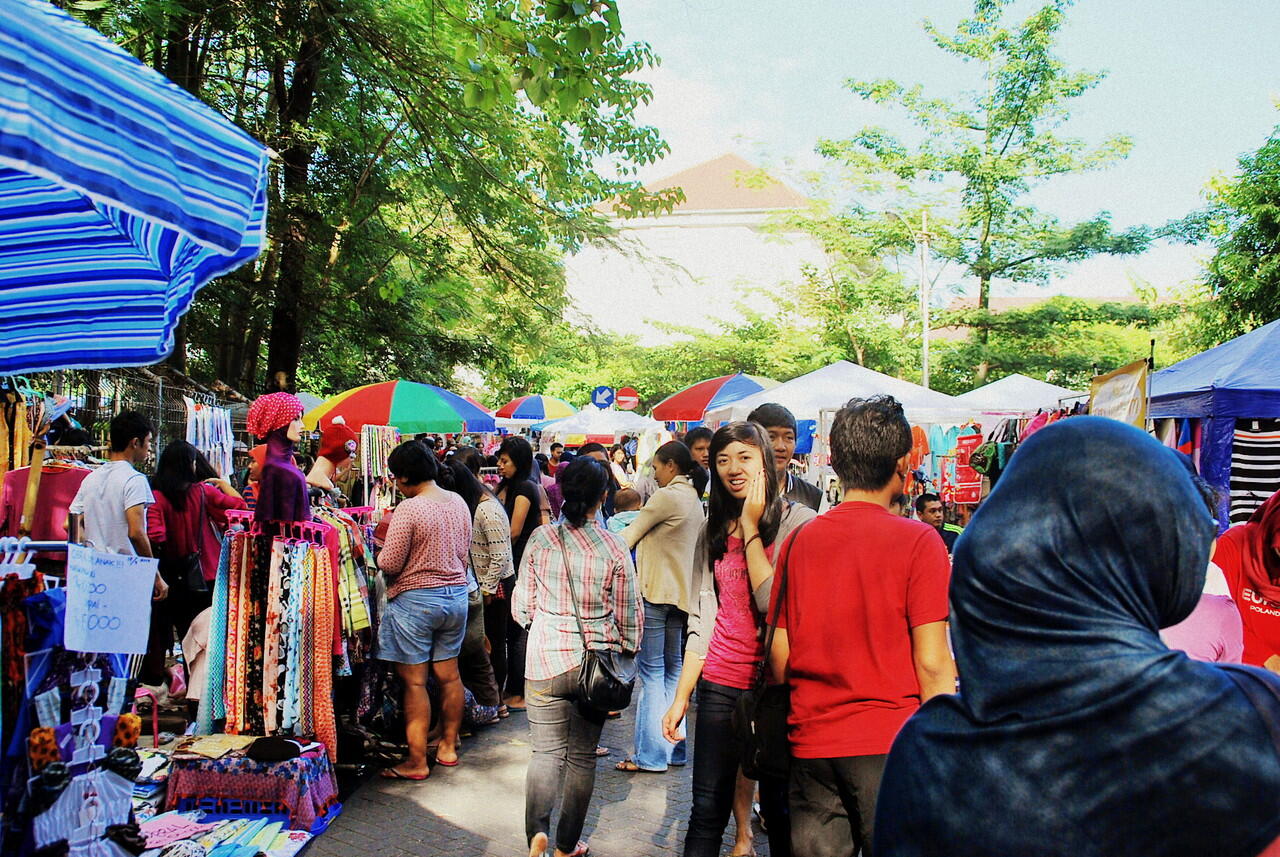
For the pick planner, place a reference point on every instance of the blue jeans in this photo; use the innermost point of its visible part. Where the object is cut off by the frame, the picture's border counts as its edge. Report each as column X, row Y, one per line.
column 658, row 663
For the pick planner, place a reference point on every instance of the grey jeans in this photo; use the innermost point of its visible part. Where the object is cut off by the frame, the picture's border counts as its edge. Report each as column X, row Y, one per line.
column 564, row 734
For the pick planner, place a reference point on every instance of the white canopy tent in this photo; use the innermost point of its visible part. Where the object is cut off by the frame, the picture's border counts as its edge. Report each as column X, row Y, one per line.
column 598, row 423
column 831, row 386
column 1016, row 394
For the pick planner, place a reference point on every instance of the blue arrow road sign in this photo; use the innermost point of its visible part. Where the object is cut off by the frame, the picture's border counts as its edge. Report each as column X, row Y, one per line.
column 602, row 397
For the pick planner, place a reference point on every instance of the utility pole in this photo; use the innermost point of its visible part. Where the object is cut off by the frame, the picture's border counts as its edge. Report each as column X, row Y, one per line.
column 922, row 236
column 922, row 243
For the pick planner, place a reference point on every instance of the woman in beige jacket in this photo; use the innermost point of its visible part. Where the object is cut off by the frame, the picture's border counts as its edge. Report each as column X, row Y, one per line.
column 664, row 536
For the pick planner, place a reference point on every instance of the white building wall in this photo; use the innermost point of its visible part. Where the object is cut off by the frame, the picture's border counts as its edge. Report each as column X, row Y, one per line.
column 689, row 269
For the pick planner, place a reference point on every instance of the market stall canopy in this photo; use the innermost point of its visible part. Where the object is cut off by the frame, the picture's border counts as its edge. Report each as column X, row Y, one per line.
column 831, row 386
column 479, row 405
column 599, row 424
column 1016, row 394
column 692, row 403
column 536, row 408
column 407, row 405
column 121, row 195
column 1240, row 378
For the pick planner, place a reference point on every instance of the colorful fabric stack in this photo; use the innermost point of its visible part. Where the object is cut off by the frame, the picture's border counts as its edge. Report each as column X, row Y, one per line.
column 277, row 638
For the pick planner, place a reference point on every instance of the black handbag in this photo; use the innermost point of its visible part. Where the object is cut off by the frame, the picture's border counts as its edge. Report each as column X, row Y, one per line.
column 185, row 573
column 606, row 678
column 760, row 715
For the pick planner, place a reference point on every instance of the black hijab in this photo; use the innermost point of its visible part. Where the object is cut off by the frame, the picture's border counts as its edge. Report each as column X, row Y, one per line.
column 1077, row 731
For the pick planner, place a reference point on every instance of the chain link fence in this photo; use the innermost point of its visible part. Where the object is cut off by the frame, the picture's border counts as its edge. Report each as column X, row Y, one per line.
column 98, row 395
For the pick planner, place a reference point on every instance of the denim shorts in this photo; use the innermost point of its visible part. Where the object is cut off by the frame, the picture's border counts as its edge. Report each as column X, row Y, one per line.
column 423, row 625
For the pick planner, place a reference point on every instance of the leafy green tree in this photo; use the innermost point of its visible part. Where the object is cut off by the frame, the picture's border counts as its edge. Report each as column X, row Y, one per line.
column 1243, row 223
column 1063, row 340
column 435, row 158
column 991, row 147
column 776, row 346
column 865, row 307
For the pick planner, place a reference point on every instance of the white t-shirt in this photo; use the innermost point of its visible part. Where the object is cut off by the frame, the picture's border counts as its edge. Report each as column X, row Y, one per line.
column 103, row 497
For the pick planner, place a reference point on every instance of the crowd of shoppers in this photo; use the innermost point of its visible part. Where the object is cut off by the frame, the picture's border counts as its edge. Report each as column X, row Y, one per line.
column 1093, row 703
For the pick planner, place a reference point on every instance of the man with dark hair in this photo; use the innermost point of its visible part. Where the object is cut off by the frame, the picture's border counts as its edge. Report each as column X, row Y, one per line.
column 557, row 453
column 109, row 511
column 699, row 442
column 929, row 510
column 780, row 424
column 861, row 602
column 596, row 451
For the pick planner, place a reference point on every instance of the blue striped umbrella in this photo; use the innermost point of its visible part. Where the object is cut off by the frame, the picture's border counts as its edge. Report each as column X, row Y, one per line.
column 121, row 195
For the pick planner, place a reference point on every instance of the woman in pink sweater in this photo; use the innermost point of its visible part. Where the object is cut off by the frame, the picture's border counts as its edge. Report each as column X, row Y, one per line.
column 425, row 563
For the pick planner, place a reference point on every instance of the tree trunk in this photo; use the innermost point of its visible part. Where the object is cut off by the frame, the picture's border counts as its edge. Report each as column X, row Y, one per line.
column 984, row 332
column 284, row 342
column 178, row 356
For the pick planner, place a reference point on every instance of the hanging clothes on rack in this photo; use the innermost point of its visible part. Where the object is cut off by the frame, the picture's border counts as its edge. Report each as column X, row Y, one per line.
column 15, row 430
column 278, row 593
column 209, row 430
column 376, row 444
column 1255, row 466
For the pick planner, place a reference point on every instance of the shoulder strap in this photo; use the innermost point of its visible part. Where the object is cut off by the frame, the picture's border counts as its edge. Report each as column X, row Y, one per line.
column 772, row 623
column 194, row 531
column 573, row 590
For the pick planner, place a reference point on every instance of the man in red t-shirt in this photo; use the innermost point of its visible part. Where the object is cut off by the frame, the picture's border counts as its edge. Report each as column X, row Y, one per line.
column 861, row 633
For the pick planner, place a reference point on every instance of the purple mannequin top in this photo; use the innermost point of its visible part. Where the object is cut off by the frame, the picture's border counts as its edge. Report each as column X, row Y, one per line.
column 282, row 488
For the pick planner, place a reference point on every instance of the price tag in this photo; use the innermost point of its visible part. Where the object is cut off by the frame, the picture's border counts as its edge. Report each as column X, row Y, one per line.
column 108, row 601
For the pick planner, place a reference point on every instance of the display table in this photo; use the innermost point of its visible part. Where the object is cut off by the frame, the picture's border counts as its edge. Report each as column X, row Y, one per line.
column 302, row 790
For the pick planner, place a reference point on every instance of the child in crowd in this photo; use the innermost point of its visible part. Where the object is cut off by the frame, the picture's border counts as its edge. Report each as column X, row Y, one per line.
column 626, row 506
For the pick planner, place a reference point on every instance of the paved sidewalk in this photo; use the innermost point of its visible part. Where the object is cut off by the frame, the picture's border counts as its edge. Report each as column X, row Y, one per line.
column 477, row 809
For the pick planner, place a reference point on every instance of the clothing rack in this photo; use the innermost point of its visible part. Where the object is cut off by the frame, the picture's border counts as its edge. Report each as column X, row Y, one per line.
column 314, row 532
column 14, row 544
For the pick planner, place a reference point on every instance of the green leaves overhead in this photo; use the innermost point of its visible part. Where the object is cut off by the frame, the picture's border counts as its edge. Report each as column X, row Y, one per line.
column 437, row 158
column 980, row 154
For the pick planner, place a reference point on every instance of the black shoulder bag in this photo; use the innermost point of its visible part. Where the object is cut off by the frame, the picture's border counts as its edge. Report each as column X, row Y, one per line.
column 760, row 716
column 606, row 678
column 185, row 573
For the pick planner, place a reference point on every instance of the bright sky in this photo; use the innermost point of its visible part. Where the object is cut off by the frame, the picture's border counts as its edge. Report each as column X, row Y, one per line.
column 1193, row 83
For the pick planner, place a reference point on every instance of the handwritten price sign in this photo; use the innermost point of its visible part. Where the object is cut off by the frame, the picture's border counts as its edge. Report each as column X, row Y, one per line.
column 108, row 601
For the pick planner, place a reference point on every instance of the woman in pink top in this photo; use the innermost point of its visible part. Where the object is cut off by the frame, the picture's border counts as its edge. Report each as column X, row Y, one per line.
column 732, row 578
column 425, row 563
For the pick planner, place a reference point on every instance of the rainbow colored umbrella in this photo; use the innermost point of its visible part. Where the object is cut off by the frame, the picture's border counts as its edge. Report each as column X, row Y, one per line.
column 537, row 408
column 692, row 403
column 407, row 405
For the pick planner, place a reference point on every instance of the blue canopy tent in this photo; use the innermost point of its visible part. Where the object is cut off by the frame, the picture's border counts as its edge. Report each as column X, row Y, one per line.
column 121, row 195
column 1239, row 379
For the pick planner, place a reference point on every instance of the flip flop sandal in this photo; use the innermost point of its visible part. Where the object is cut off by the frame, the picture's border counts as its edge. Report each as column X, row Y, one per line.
column 629, row 766
column 393, row 774
column 601, row 752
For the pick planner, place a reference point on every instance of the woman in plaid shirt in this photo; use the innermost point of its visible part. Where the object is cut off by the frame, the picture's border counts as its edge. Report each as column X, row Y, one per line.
column 564, row 731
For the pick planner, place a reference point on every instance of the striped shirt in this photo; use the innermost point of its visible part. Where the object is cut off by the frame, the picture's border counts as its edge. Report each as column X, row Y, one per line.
column 491, row 546
column 609, row 598
column 1255, row 466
